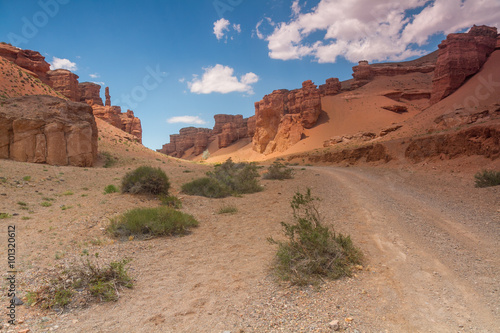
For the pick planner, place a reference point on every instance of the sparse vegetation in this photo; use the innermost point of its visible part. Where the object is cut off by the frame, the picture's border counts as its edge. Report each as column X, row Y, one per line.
column 278, row 171
column 227, row 179
column 90, row 278
column 151, row 222
column 487, row 178
column 27, row 178
column 146, row 180
column 229, row 209
column 110, row 189
column 312, row 251
column 46, row 204
column 5, row 216
column 171, row 201
column 109, row 160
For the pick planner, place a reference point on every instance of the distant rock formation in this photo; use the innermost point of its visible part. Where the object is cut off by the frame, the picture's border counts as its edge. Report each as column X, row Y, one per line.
column 364, row 72
column 90, row 93
column 331, row 87
column 46, row 129
column 66, row 83
column 461, row 55
column 30, row 60
column 108, row 97
column 187, row 138
column 270, row 135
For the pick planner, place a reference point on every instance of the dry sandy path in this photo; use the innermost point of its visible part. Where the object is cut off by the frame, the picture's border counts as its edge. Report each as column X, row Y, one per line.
column 430, row 240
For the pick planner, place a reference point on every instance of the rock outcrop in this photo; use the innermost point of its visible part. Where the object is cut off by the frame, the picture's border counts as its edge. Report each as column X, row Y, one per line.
column 369, row 153
column 229, row 128
column 108, row 97
column 270, row 112
column 90, row 93
column 331, row 87
column 364, row 72
column 31, row 60
column 461, row 55
column 45, row 129
column 66, row 83
column 187, row 138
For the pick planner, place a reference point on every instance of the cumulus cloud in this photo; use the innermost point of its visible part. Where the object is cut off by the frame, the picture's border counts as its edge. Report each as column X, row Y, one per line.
column 221, row 79
column 58, row 63
column 222, row 27
column 186, row 120
column 372, row 30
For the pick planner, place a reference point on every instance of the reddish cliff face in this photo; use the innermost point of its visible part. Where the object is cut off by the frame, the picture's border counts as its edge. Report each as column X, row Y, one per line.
column 305, row 103
column 45, row 129
column 27, row 59
column 460, row 56
column 131, row 124
column 331, row 87
column 90, row 93
column 65, row 82
column 188, row 137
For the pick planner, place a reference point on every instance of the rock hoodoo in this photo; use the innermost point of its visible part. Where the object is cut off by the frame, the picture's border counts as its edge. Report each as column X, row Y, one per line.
column 46, row 129
column 90, row 93
column 108, row 97
column 461, row 55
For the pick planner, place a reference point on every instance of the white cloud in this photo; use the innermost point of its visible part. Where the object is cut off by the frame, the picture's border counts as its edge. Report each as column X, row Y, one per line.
column 182, row 79
column 221, row 79
column 99, row 83
column 372, row 30
column 94, row 76
column 237, row 27
column 58, row 63
column 220, row 27
column 186, row 120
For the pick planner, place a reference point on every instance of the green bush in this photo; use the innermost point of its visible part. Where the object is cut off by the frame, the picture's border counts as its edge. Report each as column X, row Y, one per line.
column 150, row 222
column 110, row 189
column 229, row 209
column 278, row 171
column 171, row 201
column 312, row 250
column 227, row 179
column 487, row 178
column 146, row 180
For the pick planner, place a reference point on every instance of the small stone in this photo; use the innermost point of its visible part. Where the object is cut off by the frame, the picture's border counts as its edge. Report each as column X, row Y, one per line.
column 348, row 319
column 17, row 301
column 26, row 330
column 334, row 325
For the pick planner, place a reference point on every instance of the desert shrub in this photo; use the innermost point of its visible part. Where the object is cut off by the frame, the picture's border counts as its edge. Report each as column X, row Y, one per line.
column 206, row 187
column 171, row 201
column 227, row 209
column 110, row 189
column 150, row 222
column 146, row 180
column 90, row 277
column 109, row 160
column 312, row 250
column 278, row 171
column 487, row 178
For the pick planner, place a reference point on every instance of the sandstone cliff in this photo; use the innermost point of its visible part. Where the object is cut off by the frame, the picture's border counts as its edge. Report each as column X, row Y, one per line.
column 45, row 129
column 65, row 82
column 460, row 56
column 187, row 138
column 90, row 93
column 31, row 60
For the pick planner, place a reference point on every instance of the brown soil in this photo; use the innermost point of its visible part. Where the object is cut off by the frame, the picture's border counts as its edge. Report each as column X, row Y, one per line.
column 430, row 239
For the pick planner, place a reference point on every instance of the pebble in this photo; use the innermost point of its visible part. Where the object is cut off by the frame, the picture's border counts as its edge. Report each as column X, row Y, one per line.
column 334, row 325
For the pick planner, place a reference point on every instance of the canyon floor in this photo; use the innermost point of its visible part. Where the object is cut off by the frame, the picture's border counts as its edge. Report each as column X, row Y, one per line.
column 430, row 240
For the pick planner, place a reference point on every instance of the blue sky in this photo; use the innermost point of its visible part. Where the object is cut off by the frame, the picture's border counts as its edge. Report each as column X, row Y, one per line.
column 187, row 60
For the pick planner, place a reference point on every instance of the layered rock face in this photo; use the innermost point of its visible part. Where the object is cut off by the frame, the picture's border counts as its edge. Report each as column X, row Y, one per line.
column 111, row 114
column 90, row 93
column 66, row 83
column 331, row 87
column 187, row 138
column 460, row 56
column 27, row 59
column 230, row 128
column 270, row 134
column 45, row 129
column 364, row 72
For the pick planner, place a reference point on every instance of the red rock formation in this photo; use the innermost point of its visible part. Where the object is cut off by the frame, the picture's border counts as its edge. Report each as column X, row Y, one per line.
column 370, row 153
column 251, row 126
column 460, row 56
column 46, row 129
column 201, row 142
column 364, row 72
column 65, row 82
column 331, row 87
column 131, row 124
column 230, row 128
column 110, row 114
column 27, row 59
column 187, row 138
column 289, row 132
column 270, row 112
column 108, row 97
column 90, row 93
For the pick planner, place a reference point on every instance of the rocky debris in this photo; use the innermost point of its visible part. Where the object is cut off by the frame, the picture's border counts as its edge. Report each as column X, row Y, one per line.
column 460, row 117
column 66, row 83
column 461, row 55
column 396, row 108
column 478, row 140
column 369, row 153
column 271, row 111
column 389, row 129
column 408, row 95
column 30, row 60
column 364, row 72
column 90, row 93
column 361, row 136
column 108, row 97
column 331, row 87
column 45, row 129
